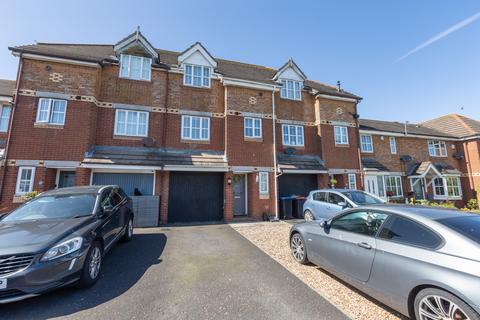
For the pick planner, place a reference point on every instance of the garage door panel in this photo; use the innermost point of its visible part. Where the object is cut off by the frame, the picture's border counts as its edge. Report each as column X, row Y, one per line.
column 296, row 184
column 127, row 181
column 195, row 197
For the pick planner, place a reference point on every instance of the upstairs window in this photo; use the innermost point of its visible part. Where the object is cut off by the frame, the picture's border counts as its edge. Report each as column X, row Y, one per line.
column 195, row 128
column 340, row 134
column 196, row 76
column 51, row 111
column 393, row 145
column 292, row 135
column 135, row 67
column 5, row 118
column 437, row 148
column 253, row 127
column 366, row 143
column 291, row 90
column 131, row 123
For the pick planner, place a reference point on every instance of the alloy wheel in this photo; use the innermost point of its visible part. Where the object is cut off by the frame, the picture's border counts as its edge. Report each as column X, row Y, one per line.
column 308, row 216
column 95, row 263
column 298, row 249
column 434, row 307
column 130, row 228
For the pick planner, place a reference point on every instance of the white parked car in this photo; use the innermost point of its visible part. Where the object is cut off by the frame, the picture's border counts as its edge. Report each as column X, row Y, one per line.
column 326, row 203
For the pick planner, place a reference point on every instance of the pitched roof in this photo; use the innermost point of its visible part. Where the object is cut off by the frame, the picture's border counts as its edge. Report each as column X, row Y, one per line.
column 455, row 125
column 372, row 164
column 421, row 168
column 300, row 162
column 398, row 127
column 7, row 87
column 99, row 53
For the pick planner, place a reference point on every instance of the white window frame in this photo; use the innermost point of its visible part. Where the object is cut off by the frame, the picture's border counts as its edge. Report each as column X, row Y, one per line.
column 31, row 182
column 127, row 58
column 393, row 145
column 3, row 118
column 190, row 128
column 203, row 78
column 366, row 146
column 118, row 133
column 287, row 137
column 352, row 181
column 255, row 122
column 263, row 186
column 340, row 132
column 446, row 188
column 398, row 186
column 437, row 148
column 296, row 90
column 50, row 111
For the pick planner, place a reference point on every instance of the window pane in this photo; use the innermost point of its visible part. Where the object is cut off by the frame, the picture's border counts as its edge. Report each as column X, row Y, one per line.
column 58, row 111
column 5, row 118
column 284, row 89
column 188, row 74
column 135, row 67
column 362, row 222
column 142, row 124
column 285, row 134
column 409, row 232
column 186, row 127
column 300, row 135
column 197, row 76
column 293, row 140
column 206, row 77
column 297, row 90
column 124, row 62
column 132, row 123
column 43, row 110
column 146, row 68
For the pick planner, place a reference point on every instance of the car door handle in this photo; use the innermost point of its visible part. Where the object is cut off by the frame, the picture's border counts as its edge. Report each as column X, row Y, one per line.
column 364, row 245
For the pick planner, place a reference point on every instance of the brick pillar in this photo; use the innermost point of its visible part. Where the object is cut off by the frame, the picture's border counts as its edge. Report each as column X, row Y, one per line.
column 164, row 189
column 322, row 181
column 82, row 176
column 228, row 197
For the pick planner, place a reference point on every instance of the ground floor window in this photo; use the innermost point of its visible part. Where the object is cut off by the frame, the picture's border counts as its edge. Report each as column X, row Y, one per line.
column 352, row 181
column 25, row 180
column 393, row 186
column 263, row 182
column 448, row 187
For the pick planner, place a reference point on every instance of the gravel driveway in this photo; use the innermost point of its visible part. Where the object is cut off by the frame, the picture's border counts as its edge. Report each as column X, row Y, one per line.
column 272, row 238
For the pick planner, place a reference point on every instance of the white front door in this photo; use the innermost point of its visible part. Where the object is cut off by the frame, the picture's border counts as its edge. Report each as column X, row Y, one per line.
column 371, row 185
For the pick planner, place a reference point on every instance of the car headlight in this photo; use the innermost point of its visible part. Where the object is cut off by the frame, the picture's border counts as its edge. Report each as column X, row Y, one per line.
column 63, row 248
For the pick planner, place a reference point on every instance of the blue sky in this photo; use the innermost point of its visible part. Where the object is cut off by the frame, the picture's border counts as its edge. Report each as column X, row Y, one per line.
column 356, row 42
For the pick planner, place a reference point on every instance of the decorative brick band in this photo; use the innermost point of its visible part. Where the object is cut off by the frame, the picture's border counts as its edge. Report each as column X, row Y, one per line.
column 338, row 123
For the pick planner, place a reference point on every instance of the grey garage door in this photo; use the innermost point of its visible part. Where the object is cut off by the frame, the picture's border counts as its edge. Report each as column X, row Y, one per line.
column 296, row 184
column 127, row 181
column 195, row 197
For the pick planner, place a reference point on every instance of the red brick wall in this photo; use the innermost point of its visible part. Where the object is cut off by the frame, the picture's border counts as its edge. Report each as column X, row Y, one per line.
column 340, row 156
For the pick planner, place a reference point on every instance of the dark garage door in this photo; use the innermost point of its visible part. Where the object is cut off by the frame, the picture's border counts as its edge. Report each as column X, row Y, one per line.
column 195, row 197
column 296, row 184
column 127, row 181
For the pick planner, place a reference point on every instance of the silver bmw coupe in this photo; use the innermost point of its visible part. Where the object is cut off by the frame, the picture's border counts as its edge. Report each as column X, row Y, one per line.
column 423, row 262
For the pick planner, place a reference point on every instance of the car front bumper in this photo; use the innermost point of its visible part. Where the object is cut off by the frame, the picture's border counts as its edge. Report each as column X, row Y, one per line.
column 40, row 277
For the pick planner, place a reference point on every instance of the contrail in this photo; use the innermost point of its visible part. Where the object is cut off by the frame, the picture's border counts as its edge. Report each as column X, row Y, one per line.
column 443, row 34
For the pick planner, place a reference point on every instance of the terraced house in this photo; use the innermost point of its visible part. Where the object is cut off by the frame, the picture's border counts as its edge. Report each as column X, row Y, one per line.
column 197, row 135
column 192, row 137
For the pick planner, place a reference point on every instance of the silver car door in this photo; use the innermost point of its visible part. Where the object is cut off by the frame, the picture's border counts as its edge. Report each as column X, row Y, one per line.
column 333, row 201
column 321, row 206
column 347, row 246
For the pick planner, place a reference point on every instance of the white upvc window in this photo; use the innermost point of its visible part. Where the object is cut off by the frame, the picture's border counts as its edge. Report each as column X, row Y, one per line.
column 252, row 127
column 292, row 135
column 25, row 178
column 448, row 187
column 5, row 117
column 196, row 76
column 135, row 67
column 366, row 143
column 352, row 181
column 291, row 89
column 393, row 186
column 393, row 145
column 263, row 182
column 51, row 111
column 341, row 134
column 437, row 148
column 131, row 123
column 195, row 128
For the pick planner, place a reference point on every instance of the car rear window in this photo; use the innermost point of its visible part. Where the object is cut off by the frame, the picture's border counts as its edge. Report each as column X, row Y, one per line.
column 469, row 226
column 408, row 232
column 362, row 198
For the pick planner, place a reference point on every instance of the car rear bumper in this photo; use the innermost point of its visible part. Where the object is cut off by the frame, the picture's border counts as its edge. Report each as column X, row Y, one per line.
column 41, row 277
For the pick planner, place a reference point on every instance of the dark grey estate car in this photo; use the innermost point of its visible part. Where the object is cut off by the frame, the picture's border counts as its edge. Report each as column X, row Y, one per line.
column 421, row 261
column 59, row 238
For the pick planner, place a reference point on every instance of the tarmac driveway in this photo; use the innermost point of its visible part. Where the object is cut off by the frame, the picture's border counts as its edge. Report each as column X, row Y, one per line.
column 195, row 272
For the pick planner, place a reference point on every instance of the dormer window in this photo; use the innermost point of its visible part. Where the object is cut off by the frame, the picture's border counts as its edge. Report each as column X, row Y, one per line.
column 291, row 89
column 196, row 76
column 135, row 67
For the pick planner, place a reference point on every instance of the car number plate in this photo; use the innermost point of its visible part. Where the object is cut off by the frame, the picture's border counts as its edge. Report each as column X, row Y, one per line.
column 3, row 284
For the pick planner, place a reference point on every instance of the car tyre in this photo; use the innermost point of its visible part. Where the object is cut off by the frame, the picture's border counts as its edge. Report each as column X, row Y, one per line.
column 298, row 249
column 440, row 304
column 92, row 266
column 127, row 237
column 308, row 216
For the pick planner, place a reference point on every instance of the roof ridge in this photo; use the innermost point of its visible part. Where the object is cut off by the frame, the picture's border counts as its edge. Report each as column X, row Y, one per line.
column 71, row 44
column 462, row 122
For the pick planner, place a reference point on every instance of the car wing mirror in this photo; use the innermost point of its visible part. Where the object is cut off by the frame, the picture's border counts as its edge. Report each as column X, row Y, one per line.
column 325, row 224
column 342, row 204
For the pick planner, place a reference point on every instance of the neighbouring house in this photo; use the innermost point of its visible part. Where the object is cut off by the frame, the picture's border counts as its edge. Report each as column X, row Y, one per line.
column 437, row 160
column 7, row 88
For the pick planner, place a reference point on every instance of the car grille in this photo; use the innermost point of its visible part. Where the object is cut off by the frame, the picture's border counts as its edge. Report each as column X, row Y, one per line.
column 11, row 264
column 10, row 293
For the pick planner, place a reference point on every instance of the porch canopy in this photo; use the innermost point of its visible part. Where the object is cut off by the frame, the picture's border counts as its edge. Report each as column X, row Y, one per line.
column 429, row 171
column 292, row 163
column 372, row 165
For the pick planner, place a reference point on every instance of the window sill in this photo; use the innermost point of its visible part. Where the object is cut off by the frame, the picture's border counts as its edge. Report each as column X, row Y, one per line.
column 136, row 138
column 447, row 198
column 342, row 145
column 251, row 139
column 294, row 146
column 438, row 156
column 19, row 198
column 196, row 87
column 362, row 151
column 264, row 196
column 142, row 80
column 297, row 100
column 48, row 125
column 195, row 141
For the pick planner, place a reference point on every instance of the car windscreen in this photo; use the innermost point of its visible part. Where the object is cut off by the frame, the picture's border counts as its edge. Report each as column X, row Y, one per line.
column 467, row 225
column 54, row 207
column 361, row 198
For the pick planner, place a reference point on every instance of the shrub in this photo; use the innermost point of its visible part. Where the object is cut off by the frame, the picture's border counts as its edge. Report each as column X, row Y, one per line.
column 472, row 204
column 31, row 195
